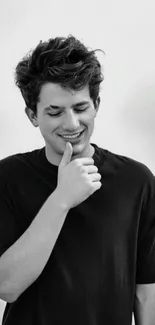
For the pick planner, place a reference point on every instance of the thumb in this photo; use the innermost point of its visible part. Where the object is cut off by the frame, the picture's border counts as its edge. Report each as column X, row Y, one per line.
column 66, row 158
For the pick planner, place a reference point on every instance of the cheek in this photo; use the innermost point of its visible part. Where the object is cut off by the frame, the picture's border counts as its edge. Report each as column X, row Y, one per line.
column 47, row 125
column 90, row 121
column 88, row 118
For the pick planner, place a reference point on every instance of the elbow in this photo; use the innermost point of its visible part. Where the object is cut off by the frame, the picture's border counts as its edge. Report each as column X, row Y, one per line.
column 7, row 296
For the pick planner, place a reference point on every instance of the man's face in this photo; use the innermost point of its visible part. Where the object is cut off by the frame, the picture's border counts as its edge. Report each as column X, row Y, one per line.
column 62, row 112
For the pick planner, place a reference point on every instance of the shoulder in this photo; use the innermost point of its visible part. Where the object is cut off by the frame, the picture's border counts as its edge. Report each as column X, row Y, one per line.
column 126, row 169
column 131, row 167
column 13, row 164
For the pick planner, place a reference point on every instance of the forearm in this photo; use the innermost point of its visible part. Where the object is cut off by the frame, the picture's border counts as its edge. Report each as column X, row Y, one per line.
column 144, row 307
column 145, row 315
column 24, row 261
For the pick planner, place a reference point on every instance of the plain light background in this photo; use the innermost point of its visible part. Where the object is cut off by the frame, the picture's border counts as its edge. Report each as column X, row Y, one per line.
column 125, row 123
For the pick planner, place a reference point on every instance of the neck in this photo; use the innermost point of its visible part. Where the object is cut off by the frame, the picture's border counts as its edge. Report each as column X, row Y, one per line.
column 55, row 159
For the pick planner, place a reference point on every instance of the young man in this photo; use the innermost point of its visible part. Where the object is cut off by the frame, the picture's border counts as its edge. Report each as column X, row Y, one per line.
column 77, row 222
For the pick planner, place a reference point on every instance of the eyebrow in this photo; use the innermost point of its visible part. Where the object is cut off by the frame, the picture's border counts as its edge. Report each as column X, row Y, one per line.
column 72, row 106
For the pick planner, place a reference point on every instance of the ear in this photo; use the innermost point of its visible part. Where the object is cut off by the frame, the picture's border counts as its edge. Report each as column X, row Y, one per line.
column 32, row 116
column 97, row 104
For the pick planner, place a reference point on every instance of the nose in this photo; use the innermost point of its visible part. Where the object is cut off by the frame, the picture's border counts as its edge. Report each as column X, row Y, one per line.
column 70, row 122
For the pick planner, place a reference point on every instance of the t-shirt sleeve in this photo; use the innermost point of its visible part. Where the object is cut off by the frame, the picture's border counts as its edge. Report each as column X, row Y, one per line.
column 146, row 238
column 8, row 222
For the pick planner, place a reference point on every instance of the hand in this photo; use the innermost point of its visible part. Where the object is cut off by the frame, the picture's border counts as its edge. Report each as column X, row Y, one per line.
column 77, row 179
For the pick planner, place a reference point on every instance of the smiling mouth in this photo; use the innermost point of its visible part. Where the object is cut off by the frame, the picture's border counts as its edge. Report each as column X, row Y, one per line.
column 73, row 137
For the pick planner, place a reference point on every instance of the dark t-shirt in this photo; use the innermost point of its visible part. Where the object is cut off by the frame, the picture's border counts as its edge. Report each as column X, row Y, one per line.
column 105, row 247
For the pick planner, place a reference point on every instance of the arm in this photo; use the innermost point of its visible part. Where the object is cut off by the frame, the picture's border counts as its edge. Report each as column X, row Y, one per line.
column 24, row 261
column 144, row 307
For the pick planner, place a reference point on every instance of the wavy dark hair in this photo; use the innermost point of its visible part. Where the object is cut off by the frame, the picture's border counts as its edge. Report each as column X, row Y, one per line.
column 64, row 61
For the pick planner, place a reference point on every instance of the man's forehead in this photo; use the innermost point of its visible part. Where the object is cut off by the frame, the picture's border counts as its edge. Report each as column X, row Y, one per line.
column 56, row 88
column 54, row 94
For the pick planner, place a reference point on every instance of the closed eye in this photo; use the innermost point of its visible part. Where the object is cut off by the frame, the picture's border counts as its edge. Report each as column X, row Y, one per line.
column 77, row 110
